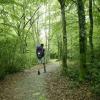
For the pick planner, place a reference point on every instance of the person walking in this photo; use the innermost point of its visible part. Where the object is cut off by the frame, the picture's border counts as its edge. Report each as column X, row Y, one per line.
column 40, row 52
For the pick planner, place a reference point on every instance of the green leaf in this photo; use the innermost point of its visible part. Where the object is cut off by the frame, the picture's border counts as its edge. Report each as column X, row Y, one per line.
column 6, row 1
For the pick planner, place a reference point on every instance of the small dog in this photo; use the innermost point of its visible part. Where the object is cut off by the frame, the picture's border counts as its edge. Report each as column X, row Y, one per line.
column 38, row 72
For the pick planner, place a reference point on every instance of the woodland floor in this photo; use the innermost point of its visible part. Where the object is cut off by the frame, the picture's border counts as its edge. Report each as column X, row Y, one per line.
column 28, row 85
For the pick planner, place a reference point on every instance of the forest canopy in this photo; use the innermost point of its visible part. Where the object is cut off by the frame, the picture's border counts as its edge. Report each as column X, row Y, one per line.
column 69, row 30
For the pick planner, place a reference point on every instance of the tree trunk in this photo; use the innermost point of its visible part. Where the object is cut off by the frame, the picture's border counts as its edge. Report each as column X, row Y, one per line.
column 91, row 30
column 49, row 32
column 82, row 39
column 64, row 44
column 46, row 41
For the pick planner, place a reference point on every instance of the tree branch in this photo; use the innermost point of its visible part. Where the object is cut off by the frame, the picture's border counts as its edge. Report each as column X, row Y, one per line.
column 31, row 17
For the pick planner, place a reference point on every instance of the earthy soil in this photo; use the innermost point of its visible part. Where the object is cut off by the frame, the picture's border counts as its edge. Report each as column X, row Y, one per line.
column 28, row 85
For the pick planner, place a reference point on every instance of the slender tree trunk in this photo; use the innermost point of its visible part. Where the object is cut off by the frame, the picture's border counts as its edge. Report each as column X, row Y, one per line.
column 91, row 30
column 71, row 47
column 37, row 28
column 46, row 39
column 82, row 39
column 64, row 44
column 49, row 32
column 33, row 35
column 58, row 50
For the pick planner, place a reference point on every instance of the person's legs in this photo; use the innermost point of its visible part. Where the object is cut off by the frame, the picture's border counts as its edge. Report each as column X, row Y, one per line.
column 38, row 72
column 39, row 62
column 44, row 67
column 43, row 62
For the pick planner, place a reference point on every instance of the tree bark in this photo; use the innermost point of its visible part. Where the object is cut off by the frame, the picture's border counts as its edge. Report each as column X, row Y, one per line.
column 64, row 42
column 82, row 39
column 91, row 30
column 49, row 32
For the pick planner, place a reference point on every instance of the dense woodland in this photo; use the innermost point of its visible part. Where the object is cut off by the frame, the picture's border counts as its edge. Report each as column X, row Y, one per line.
column 69, row 30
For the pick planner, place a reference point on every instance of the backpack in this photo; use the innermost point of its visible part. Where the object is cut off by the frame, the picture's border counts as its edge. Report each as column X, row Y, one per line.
column 40, row 52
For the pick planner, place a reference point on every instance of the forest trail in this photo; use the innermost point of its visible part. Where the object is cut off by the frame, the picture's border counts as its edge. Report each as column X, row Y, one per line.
column 27, row 85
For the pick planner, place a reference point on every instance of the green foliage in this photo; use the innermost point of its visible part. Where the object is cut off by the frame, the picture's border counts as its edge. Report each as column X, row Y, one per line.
column 16, row 36
column 73, row 73
column 6, row 1
column 19, row 35
column 11, row 58
column 2, row 72
column 53, row 55
column 94, row 75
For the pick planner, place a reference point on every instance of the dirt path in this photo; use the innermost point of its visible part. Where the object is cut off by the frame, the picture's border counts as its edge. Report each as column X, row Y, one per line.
column 27, row 85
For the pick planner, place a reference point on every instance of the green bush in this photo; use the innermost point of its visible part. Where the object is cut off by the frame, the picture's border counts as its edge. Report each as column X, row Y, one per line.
column 95, row 82
column 12, row 59
column 2, row 72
